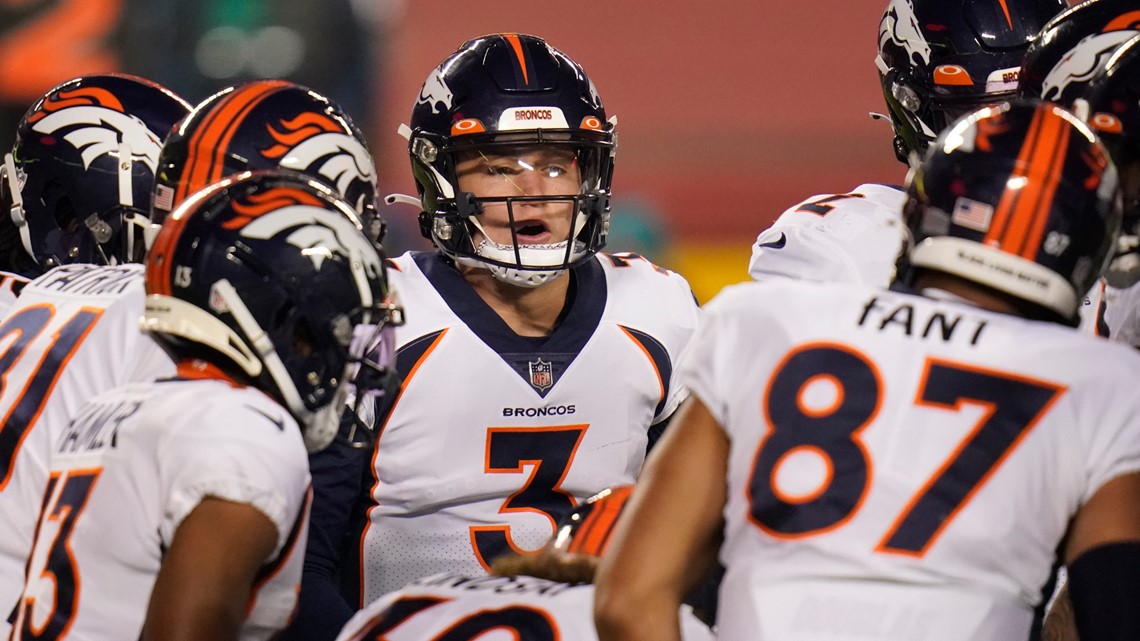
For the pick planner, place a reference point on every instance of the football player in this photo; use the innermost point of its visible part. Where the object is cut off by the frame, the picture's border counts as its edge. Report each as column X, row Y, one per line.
column 540, row 596
column 936, row 61
column 177, row 509
column 1113, row 106
column 1063, row 65
column 1111, row 103
column 535, row 369
column 897, row 465
column 81, row 170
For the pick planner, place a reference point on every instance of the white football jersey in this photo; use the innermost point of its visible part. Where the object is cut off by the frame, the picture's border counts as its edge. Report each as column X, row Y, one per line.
column 126, row 472
column 901, row 467
column 72, row 335
column 523, row 608
column 494, row 436
column 10, row 286
column 843, row 238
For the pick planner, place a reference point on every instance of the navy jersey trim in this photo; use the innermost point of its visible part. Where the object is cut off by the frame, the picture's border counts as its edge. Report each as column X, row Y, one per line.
column 660, row 357
column 522, row 353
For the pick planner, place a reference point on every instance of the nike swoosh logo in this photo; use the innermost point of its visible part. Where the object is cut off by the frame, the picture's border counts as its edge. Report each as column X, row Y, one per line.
column 776, row 244
column 276, row 420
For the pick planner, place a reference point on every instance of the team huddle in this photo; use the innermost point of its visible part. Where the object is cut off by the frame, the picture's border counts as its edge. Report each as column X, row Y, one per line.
column 228, row 414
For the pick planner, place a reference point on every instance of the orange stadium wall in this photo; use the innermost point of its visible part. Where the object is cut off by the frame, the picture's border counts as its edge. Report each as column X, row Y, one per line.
column 728, row 112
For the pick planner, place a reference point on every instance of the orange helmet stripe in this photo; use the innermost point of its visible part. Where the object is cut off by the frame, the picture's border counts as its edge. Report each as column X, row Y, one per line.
column 215, row 135
column 1023, row 212
column 1008, row 18
column 520, row 53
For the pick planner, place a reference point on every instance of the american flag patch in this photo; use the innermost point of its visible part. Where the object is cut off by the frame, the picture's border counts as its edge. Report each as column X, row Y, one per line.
column 163, row 197
column 972, row 214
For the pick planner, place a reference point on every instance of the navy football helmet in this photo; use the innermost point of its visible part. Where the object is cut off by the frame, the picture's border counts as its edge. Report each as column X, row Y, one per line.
column 1021, row 198
column 1112, row 100
column 938, row 60
column 82, row 169
column 268, row 124
column 1074, row 46
column 488, row 105
column 269, row 274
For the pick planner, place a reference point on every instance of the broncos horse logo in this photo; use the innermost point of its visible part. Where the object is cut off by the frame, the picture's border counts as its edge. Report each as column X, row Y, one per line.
column 318, row 232
column 900, row 27
column 96, row 125
column 436, row 92
column 1082, row 62
column 315, row 144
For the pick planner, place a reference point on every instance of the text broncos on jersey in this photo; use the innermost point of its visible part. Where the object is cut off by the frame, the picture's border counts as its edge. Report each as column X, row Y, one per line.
column 531, row 412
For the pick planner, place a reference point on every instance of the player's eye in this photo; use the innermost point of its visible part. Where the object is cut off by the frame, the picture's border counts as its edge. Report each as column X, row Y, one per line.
column 502, row 169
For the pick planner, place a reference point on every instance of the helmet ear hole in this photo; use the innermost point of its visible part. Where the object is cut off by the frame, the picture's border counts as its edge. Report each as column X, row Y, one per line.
column 304, row 343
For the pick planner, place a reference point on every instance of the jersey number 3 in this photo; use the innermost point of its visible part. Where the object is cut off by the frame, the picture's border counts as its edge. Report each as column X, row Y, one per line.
column 549, row 451
column 1013, row 405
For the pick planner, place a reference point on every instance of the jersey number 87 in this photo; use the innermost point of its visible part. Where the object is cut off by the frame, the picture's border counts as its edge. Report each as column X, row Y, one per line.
column 1014, row 405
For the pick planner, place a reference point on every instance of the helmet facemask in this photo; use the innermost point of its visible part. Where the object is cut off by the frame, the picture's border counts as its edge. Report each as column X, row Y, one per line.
column 919, row 113
column 525, row 205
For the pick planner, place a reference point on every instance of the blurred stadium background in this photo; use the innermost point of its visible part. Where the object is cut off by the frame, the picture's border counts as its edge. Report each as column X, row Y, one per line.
column 728, row 112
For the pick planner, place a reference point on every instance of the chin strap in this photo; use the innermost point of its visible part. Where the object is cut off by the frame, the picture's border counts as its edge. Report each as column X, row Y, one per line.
column 19, row 218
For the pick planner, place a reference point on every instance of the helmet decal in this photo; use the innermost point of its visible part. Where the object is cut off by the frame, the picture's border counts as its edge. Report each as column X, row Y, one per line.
column 595, row 99
column 900, row 26
column 1082, row 62
column 77, row 97
column 1125, row 21
column 436, row 92
column 315, row 144
column 97, row 129
column 313, row 227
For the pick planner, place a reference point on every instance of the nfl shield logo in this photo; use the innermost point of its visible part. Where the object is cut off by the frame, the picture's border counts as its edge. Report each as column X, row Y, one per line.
column 541, row 376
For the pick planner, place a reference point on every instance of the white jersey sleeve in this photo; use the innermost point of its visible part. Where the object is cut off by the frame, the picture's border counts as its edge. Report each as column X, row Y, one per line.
column 898, row 455
column 523, row 607
column 845, row 238
column 1112, row 312
column 125, row 473
column 73, row 334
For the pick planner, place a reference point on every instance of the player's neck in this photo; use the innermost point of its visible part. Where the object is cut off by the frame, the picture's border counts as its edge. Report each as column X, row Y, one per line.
column 528, row 311
column 976, row 295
